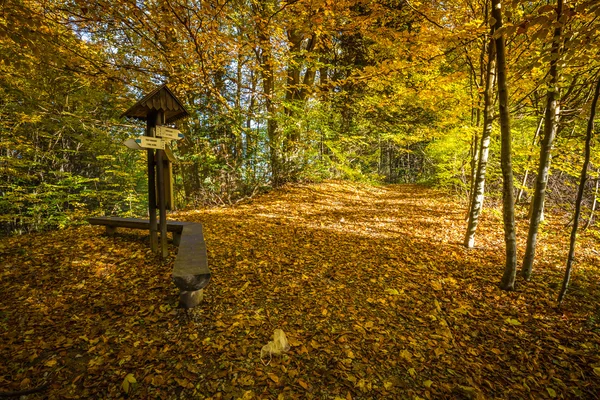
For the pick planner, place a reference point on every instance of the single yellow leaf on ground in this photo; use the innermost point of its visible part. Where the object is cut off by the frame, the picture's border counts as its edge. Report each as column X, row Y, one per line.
column 412, row 372
column 427, row 383
column 512, row 321
column 387, row 385
column 303, row 384
column 127, row 383
column 597, row 371
column 248, row 395
column 50, row 363
column 406, row 355
column 551, row 392
column 273, row 377
column 392, row 292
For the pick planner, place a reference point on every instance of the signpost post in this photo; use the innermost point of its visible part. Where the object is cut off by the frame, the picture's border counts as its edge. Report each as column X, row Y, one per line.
column 157, row 108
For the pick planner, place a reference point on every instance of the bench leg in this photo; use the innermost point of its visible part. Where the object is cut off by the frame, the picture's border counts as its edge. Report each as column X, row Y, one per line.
column 111, row 230
column 190, row 299
column 176, row 238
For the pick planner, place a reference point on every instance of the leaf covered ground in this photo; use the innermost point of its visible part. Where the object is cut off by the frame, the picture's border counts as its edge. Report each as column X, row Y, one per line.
column 371, row 285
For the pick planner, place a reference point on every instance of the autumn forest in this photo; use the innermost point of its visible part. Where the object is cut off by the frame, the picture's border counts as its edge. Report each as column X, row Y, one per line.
column 406, row 189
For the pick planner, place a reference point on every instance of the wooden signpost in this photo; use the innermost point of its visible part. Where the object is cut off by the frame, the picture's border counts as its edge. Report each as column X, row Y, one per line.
column 158, row 108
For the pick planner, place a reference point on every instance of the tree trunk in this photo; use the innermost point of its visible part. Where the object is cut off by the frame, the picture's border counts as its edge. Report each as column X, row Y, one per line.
column 551, row 120
column 586, row 162
column 268, row 83
column 477, row 115
column 488, row 118
column 595, row 201
column 535, row 136
column 510, row 268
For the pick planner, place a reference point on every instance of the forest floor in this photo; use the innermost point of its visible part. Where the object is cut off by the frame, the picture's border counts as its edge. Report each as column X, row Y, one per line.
column 371, row 285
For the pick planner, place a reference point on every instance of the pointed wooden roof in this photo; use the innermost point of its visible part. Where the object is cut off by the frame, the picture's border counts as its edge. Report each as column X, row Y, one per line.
column 160, row 99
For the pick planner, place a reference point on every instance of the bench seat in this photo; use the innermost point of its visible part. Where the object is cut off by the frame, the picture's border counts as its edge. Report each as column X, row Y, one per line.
column 190, row 270
column 112, row 223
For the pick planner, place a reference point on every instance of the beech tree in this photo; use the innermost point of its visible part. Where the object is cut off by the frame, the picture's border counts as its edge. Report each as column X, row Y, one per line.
column 508, row 212
column 488, row 119
column 582, row 182
column 551, row 121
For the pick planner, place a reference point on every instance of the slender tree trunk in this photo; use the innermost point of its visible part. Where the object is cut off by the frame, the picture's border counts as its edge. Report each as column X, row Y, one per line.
column 586, row 162
column 477, row 115
column 488, row 118
column 535, row 136
column 551, row 120
column 595, row 201
column 268, row 81
column 508, row 204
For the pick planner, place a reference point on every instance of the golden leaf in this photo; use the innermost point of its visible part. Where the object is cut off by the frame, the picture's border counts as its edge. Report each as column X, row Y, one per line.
column 303, row 384
column 128, row 382
column 50, row 363
column 406, row 355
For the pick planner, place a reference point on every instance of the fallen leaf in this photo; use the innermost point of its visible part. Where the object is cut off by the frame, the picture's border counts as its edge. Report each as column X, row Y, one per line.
column 303, row 384
column 393, row 292
column 50, row 363
column 128, row 383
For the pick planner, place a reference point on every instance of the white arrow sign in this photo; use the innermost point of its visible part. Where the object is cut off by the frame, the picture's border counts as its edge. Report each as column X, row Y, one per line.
column 150, row 143
column 132, row 144
column 168, row 133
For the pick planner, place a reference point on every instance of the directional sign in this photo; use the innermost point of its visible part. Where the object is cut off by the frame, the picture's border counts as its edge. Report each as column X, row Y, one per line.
column 168, row 133
column 150, row 142
column 132, row 144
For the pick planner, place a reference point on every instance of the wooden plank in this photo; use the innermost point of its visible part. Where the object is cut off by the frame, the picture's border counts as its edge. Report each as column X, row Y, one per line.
column 190, row 272
column 162, row 207
column 134, row 223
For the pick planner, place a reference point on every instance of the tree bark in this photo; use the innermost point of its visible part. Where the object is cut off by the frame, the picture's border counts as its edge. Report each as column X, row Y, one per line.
column 594, row 202
column 551, row 120
column 510, row 268
column 535, row 136
column 488, row 117
column 586, row 162
column 267, row 70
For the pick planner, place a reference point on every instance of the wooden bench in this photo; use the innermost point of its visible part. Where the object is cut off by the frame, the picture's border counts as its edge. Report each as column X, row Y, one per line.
column 190, row 271
column 112, row 223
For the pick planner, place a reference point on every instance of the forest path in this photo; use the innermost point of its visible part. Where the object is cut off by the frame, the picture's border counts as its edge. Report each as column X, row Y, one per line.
column 376, row 294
